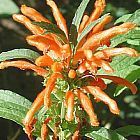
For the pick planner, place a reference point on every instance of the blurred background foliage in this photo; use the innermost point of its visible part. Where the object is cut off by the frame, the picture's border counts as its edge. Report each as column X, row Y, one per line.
column 12, row 35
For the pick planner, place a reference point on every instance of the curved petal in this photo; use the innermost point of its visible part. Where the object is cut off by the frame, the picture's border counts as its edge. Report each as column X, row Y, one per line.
column 100, row 26
column 27, row 121
column 44, row 129
column 49, row 87
column 23, row 65
column 104, row 37
column 87, row 106
column 42, row 43
column 102, row 96
column 24, row 20
column 33, row 14
column 99, row 8
column 61, row 22
column 120, row 81
column 109, row 52
column 98, row 82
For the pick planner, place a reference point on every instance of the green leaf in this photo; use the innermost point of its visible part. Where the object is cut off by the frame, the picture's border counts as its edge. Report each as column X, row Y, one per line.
column 132, row 37
column 79, row 13
column 122, row 65
column 135, row 18
column 129, row 130
column 75, row 24
column 54, row 29
column 73, row 38
column 124, row 18
column 19, row 53
column 134, row 42
column 104, row 134
column 132, row 77
column 8, row 7
column 13, row 106
column 90, row 26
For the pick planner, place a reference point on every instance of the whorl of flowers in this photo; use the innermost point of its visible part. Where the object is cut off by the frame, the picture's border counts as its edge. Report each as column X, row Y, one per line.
column 60, row 61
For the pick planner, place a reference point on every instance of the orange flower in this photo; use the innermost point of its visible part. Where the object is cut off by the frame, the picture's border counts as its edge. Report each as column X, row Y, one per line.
column 86, row 61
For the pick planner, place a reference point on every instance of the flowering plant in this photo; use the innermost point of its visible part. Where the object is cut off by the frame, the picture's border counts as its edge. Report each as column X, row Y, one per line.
column 74, row 66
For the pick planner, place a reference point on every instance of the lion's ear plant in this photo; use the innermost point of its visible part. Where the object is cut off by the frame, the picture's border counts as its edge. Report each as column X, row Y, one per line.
column 77, row 65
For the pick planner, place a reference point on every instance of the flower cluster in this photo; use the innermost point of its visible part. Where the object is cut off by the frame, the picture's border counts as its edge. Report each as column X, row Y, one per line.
column 61, row 62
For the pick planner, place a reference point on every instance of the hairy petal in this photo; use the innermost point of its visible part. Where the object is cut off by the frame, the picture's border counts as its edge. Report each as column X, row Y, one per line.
column 24, row 20
column 42, row 43
column 104, row 37
column 49, row 87
column 120, row 81
column 44, row 129
column 70, row 105
column 87, row 106
column 27, row 121
column 102, row 96
column 99, row 8
column 24, row 65
column 100, row 26
column 33, row 14
column 109, row 52
column 82, row 25
column 61, row 22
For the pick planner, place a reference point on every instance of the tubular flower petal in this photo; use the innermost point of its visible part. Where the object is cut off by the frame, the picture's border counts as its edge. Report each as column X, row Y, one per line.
column 49, row 87
column 103, row 37
column 107, row 53
column 82, row 25
column 38, row 102
column 120, row 81
column 43, row 43
column 44, row 129
column 70, row 105
column 61, row 22
column 98, row 62
column 23, row 65
column 78, row 57
column 44, row 61
column 24, row 20
column 98, row 82
column 82, row 68
column 99, row 8
column 33, row 14
column 100, row 95
column 94, row 64
column 87, row 106
column 100, row 26
column 56, row 67
column 88, row 65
